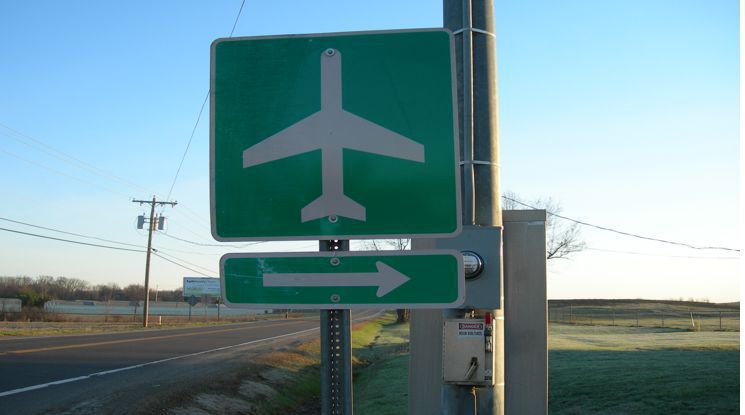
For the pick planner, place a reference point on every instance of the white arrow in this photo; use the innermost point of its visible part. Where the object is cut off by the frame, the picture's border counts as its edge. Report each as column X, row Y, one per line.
column 386, row 279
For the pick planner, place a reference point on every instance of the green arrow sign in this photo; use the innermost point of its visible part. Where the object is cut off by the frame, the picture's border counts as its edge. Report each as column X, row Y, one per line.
column 336, row 136
column 340, row 280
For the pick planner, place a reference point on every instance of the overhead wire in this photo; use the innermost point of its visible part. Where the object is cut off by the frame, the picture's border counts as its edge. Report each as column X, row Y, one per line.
column 68, row 233
column 181, row 265
column 659, row 255
column 222, row 245
column 188, row 144
column 201, row 110
column 154, row 252
column 65, row 157
column 158, row 251
column 61, row 173
column 71, row 241
column 633, row 235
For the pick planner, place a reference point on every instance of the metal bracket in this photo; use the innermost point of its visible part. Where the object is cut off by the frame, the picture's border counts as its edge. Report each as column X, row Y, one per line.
column 473, row 29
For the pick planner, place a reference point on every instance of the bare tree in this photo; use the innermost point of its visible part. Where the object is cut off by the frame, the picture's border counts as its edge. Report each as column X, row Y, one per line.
column 386, row 244
column 563, row 238
column 402, row 314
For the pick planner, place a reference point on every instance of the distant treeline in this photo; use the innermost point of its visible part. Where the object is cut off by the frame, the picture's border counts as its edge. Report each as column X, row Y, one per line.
column 37, row 291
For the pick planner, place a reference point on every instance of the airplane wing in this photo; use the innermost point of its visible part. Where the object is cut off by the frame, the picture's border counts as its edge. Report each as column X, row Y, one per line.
column 298, row 138
column 363, row 135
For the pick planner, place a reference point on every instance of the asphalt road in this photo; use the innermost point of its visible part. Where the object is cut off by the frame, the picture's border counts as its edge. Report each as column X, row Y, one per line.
column 109, row 373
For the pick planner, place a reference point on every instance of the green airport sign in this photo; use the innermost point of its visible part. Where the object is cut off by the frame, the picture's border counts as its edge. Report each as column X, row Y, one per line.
column 334, row 136
column 343, row 280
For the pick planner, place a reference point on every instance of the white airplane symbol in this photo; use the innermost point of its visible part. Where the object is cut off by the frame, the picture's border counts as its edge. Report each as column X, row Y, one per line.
column 332, row 129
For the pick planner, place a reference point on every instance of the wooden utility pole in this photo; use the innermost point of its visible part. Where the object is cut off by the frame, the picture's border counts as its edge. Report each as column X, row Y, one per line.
column 152, row 223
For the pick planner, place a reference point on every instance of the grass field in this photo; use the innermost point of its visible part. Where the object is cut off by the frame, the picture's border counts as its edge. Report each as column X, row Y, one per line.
column 625, row 370
column 381, row 351
column 592, row 370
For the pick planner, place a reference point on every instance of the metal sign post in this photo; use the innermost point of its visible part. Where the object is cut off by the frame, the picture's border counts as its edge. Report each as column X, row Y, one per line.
column 336, row 352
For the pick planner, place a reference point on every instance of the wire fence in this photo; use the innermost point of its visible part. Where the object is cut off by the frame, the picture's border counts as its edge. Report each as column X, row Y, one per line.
column 697, row 320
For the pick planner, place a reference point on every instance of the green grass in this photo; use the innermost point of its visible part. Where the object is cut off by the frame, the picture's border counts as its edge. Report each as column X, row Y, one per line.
column 606, row 338
column 380, row 379
column 643, row 382
column 629, row 370
column 592, row 370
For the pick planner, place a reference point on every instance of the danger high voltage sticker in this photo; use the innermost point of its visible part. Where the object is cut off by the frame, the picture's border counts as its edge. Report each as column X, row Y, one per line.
column 471, row 329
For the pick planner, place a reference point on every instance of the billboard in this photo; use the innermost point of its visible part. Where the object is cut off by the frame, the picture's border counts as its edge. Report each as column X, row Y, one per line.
column 199, row 287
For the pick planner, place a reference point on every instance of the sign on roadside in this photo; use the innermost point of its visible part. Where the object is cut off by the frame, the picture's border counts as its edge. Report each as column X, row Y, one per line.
column 334, row 136
column 201, row 287
column 346, row 279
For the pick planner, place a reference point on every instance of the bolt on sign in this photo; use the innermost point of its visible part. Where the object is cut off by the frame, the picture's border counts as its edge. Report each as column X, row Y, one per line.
column 334, row 136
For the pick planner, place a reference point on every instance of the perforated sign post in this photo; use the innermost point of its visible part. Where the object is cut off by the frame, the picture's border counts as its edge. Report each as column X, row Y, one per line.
column 334, row 136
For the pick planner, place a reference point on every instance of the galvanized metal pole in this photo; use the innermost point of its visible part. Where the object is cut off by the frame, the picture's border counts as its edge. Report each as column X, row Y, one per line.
column 472, row 22
column 336, row 353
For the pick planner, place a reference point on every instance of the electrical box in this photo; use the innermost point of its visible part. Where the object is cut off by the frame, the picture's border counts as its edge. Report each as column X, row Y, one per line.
column 161, row 223
column 485, row 290
column 467, row 352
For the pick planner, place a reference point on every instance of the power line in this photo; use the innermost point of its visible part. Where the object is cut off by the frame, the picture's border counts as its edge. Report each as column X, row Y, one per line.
column 199, row 235
column 69, row 233
column 633, row 235
column 195, row 217
column 188, row 144
column 71, row 241
column 67, row 158
column 223, row 245
column 159, row 251
column 62, row 173
column 104, row 246
column 38, row 144
column 199, row 116
column 235, row 23
column 181, row 251
column 661, row 255
column 182, row 266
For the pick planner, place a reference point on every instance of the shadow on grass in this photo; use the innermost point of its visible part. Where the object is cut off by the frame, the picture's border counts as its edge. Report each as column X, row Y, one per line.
column 648, row 382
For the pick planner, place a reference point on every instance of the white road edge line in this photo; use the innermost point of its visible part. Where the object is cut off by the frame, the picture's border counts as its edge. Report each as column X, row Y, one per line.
column 108, row 372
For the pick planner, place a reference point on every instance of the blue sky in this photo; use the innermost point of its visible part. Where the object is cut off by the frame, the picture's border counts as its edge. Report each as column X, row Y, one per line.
column 624, row 112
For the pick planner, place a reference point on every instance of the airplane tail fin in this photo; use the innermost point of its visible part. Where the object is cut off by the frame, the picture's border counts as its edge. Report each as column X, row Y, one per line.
column 328, row 205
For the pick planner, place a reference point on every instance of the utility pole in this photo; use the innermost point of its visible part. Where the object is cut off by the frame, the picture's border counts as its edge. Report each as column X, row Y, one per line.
column 472, row 23
column 152, row 223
